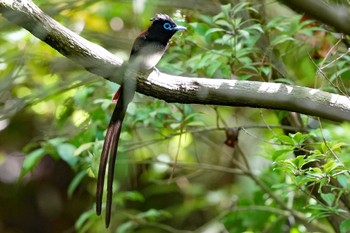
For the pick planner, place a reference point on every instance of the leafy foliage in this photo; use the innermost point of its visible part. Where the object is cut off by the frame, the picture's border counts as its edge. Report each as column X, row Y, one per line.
column 174, row 172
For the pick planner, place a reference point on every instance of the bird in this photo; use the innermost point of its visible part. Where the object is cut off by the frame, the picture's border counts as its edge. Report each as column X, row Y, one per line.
column 148, row 48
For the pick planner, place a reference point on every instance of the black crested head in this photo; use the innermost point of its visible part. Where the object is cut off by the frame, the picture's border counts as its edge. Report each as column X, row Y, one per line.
column 162, row 17
column 163, row 28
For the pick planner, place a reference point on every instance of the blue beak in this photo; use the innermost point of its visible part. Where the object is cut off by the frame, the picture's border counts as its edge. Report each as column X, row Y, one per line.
column 180, row 28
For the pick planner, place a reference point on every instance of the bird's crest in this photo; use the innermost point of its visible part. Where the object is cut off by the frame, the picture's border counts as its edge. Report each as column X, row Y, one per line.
column 162, row 17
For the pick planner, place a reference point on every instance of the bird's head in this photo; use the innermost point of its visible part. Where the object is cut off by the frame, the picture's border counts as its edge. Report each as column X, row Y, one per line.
column 163, row 27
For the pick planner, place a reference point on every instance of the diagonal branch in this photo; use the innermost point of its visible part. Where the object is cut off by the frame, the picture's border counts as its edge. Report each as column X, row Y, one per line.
column 176, row 88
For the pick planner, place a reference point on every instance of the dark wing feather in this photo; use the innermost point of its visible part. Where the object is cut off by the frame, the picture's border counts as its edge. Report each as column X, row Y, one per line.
column 138, row 44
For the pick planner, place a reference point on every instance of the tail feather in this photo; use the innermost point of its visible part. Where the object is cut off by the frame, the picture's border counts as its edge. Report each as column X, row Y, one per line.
column 102, row 167
column 110, row 147
column 110, row 174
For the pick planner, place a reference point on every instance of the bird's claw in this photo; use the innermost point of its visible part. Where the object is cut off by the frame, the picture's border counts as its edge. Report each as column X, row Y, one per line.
column 156, row 70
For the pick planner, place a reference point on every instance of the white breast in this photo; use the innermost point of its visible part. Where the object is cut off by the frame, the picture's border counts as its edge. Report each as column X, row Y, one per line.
column 148, row 57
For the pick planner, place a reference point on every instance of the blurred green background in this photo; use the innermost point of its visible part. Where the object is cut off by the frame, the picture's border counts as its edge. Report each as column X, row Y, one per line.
column 174, row 172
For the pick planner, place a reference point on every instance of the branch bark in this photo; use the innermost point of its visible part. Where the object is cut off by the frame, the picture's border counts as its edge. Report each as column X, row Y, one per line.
column 176, row 88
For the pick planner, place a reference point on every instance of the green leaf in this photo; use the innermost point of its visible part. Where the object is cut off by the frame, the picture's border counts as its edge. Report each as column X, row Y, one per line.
column 226, row 9
column 330, row 166
column 214, row 30
column 213, row 67
column 299, row 161
column 284, row 139
column 343, row 180
column 299, row 138
column 239, row 7
column 226, row 71
column 275, row 23
column 104, row 103
column 256, row 27
column 126, row 227
column 338, row 146
column 244, row 33
column 328, row 198
column 132, row 196
column 245, row 77
column 154, row 214
column 281, row 154
column 83, row 147
column 66, row 151
column 224, row 23
column 236, row 23
column 345, row 226
column 316, row 172
column 75, row 182
column 324, row 147
column 281, row 39
column 31, row 160
column 83, row 218
column 56, row 141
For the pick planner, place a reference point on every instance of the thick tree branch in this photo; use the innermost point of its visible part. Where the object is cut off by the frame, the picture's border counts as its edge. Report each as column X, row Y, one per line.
column 176, row 88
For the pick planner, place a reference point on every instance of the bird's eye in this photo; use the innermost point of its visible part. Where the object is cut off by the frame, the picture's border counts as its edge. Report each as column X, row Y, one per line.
column 167, row 26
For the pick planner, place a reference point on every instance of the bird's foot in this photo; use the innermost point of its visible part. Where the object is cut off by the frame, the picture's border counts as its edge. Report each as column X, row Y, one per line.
column 156, row 70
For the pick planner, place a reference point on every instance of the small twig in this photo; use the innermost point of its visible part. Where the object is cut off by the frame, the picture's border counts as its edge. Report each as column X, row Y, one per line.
column 243, row 155
column 325, row 141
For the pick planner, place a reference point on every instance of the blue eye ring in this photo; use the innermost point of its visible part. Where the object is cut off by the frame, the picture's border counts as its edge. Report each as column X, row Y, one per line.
column 167, row 26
